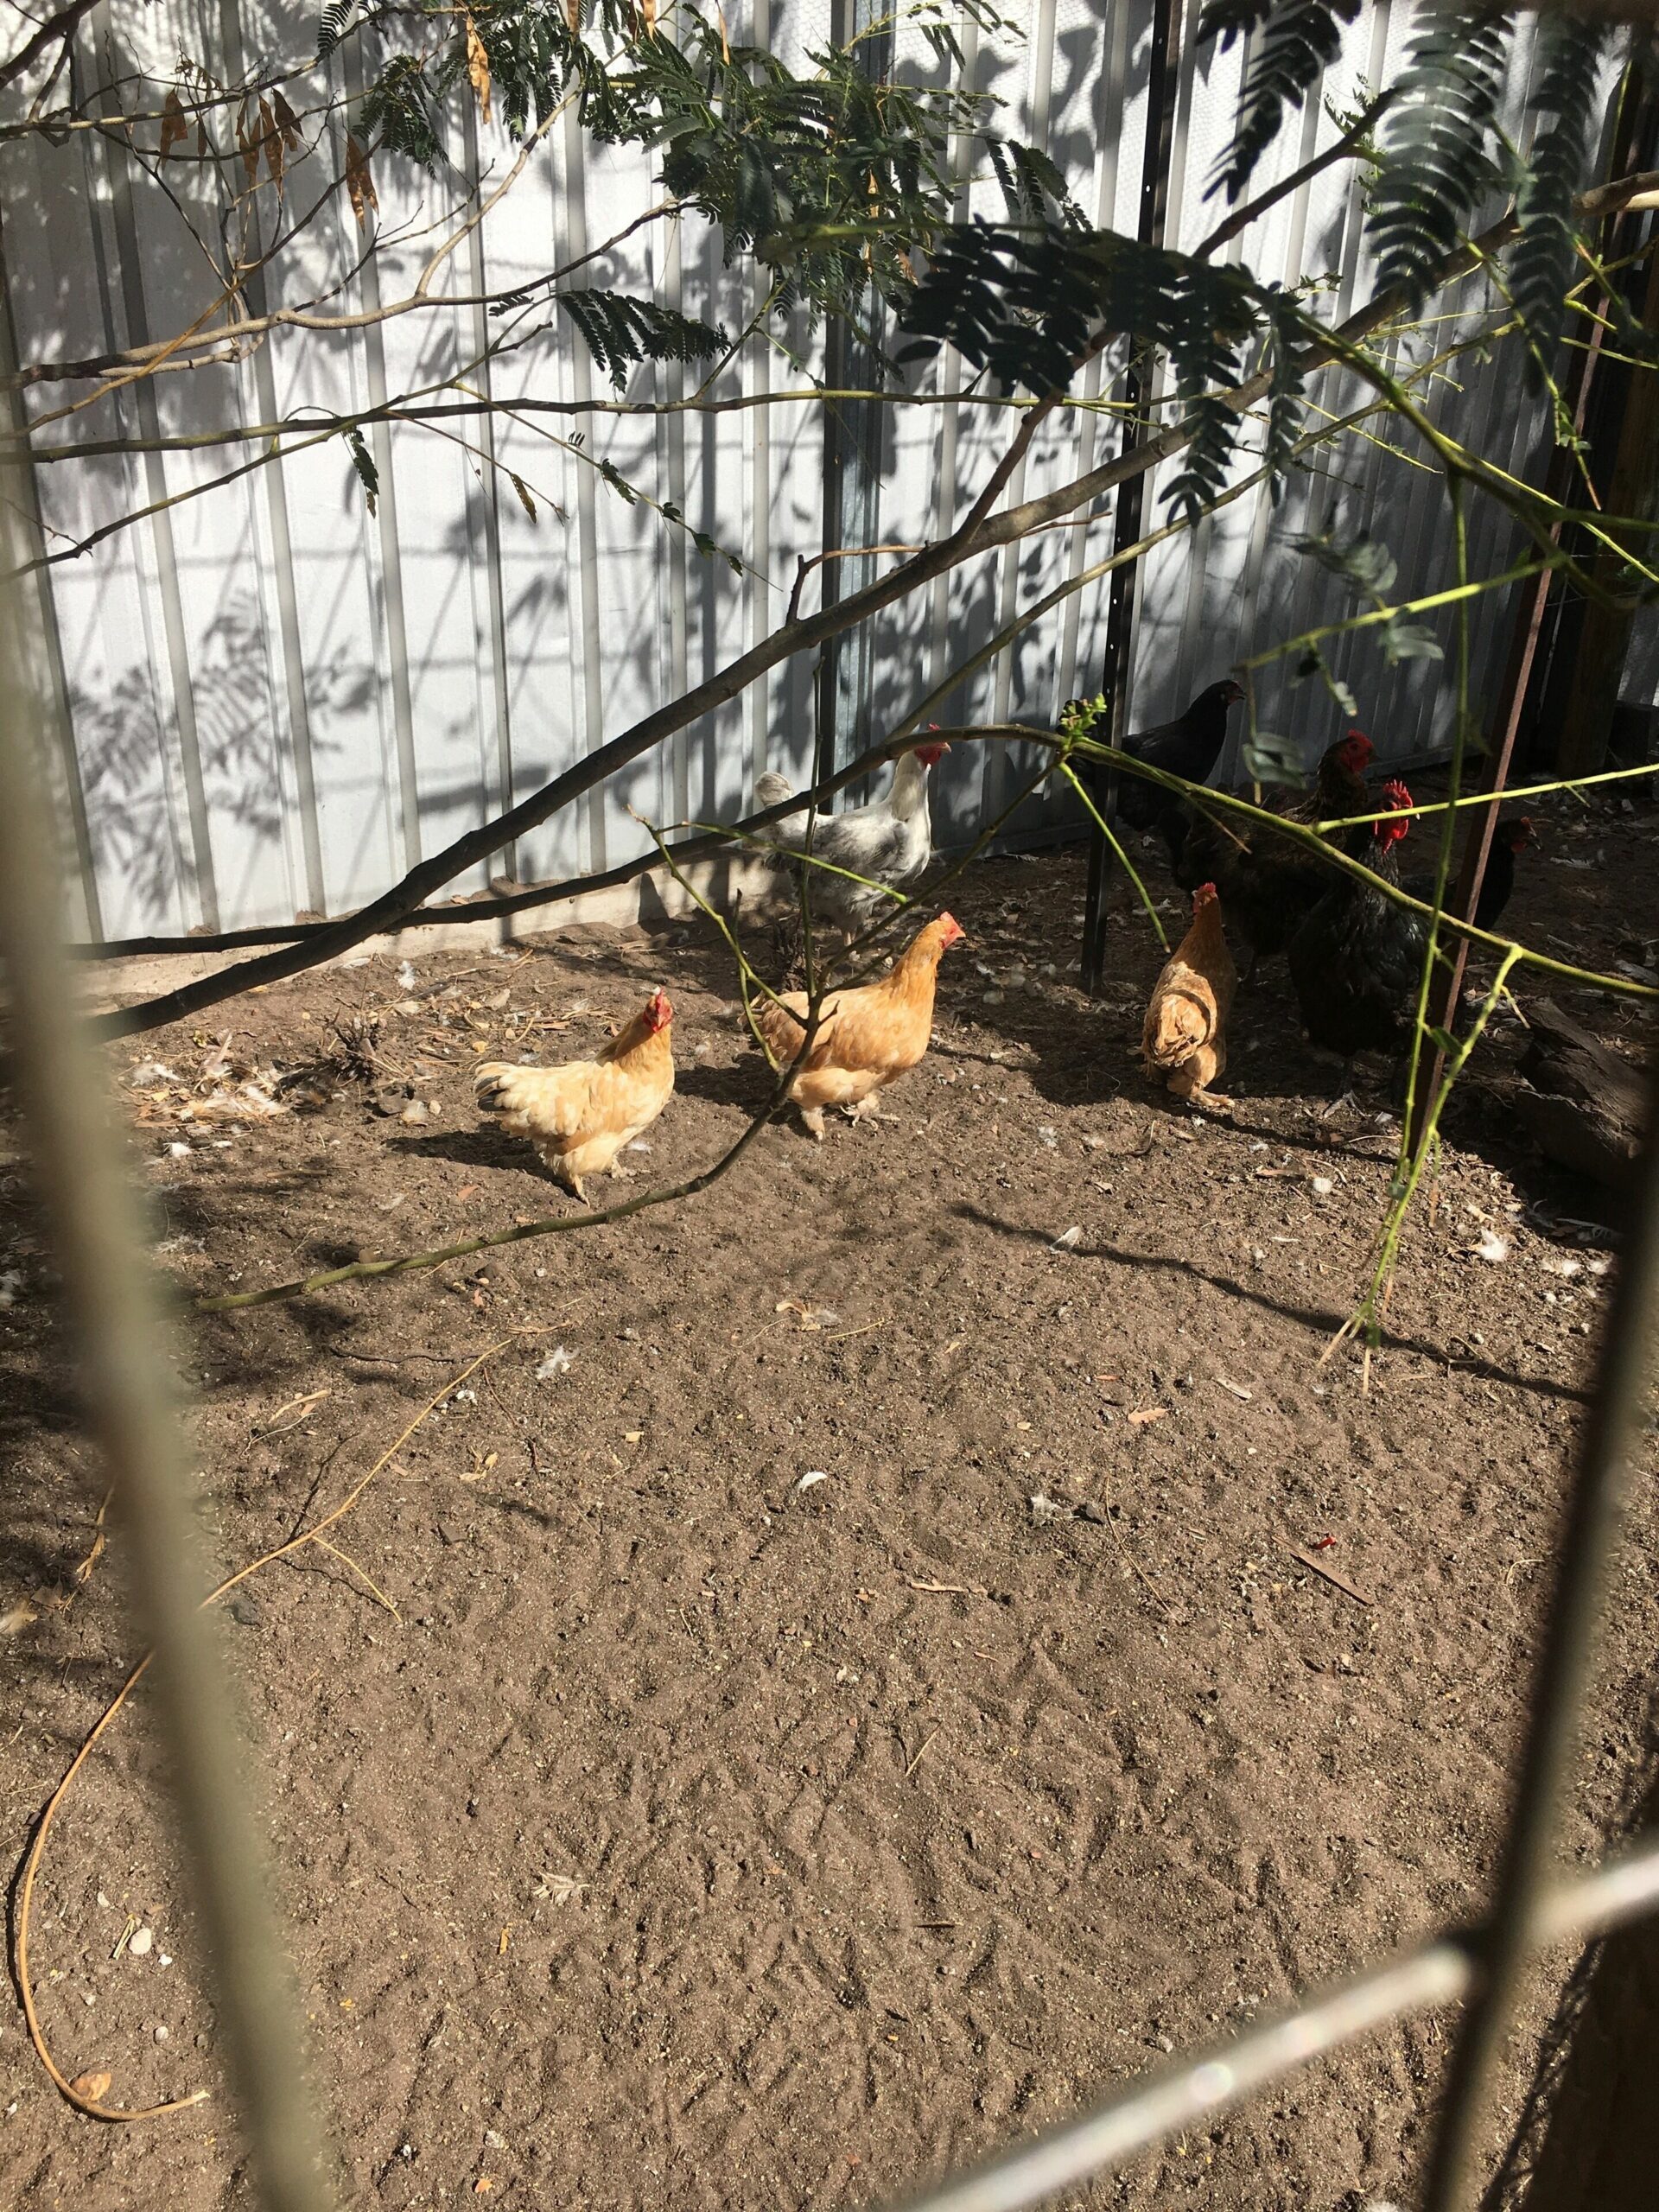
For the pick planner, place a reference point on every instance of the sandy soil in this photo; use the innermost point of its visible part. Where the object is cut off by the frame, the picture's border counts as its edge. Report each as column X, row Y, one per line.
column 663, row 1832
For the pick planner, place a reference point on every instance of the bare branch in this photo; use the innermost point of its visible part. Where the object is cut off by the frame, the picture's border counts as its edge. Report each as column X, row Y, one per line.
column 58, row 29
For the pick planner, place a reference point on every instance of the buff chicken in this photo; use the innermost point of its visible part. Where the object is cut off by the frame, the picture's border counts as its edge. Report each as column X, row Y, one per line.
column 580, row 1116
column 1184, row 1037
column 867, row 1036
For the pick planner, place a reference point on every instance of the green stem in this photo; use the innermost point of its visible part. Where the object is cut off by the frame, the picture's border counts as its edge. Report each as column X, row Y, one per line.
column 1123, row 859
column 1366, row 1316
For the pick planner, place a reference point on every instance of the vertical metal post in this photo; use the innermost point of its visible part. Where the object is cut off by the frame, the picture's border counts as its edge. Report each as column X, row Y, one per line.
column 1126, row 526
column 275, row 487
column 491, row 590
column 27, row 539
column 81, row 1172
column 1525, row 1869
column 760, row 584
column 1506, row 724
column 853, row 431
column 168, row 583
column 1636, row 125
column 391, row 546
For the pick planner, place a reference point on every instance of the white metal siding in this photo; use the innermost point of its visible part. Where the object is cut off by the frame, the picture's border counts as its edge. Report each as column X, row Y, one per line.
column 277, row 701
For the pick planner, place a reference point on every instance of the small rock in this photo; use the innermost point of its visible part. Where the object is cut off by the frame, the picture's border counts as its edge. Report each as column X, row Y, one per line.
column 141, row 1940
column 161, row 2035
column 415, row 1112
column 1323, row 1186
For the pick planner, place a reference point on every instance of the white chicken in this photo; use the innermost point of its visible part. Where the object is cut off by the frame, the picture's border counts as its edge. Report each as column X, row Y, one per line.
column 889, row 842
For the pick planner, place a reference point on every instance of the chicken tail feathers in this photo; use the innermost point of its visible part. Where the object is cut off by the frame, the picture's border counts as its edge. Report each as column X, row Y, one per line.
column 1176, row 1026
column 500, row 1087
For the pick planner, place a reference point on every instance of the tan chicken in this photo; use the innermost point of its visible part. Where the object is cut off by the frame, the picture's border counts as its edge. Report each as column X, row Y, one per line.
column 1183, row 1036
column 579, row 1117
column 867, row 1035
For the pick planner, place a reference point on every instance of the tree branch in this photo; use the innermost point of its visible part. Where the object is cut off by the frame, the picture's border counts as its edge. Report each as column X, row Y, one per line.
column 978, row 532
column 59, row 27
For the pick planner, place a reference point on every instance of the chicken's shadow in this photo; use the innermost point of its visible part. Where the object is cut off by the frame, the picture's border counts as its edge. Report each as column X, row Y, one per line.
column 485, row 1147
column 747, row 1084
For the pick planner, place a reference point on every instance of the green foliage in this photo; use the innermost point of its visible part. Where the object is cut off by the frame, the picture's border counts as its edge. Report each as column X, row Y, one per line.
column 1371, row 571
column 1027, row 309
column 332, row 25
column 1542, row 264
column 1437, row 162
column 363, row 462
column 1285, row 405
column 834, row 181
column 1297, row 42
column 1032, row 185
column 401, row 109
column 839, row 184
column 1267, row 758
column 621, row 332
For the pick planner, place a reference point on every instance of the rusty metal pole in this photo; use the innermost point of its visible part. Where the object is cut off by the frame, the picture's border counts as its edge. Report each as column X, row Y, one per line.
column 1636, row 126
column 1506, row 723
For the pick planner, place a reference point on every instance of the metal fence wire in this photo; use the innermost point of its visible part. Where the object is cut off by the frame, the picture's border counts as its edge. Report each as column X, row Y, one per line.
column 114, row 1307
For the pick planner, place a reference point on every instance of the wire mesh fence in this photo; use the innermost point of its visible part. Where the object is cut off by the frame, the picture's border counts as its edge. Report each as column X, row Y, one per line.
column 122, row 1338
column 122, row 1331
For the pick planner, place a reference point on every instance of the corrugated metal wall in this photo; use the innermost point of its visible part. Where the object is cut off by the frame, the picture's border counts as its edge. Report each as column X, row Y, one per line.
column 271, row 702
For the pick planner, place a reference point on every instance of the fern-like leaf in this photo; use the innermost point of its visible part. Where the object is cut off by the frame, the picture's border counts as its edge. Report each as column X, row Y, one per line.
column 1026, row 309
column 1371, row 571
column 1285, row 404
column 1437, row 164
column 332, row 24
column 1541, row 269
column 1033, row 186
column 1299, row 42
column 619, row 332
column 401, row 112
column 363, row 462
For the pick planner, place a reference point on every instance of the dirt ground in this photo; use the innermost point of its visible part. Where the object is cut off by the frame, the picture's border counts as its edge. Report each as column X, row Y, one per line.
column 652, row 1830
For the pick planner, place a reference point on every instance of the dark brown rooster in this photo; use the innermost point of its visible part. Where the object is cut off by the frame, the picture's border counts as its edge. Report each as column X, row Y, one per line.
column 1356, row 961
column 1512, row 836
column 1269, row 884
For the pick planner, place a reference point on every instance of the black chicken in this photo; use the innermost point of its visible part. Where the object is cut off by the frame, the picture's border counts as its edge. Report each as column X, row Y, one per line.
column 1356, row 961
column 1269, row 884
column 1512, row 836
column 1189, row 746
